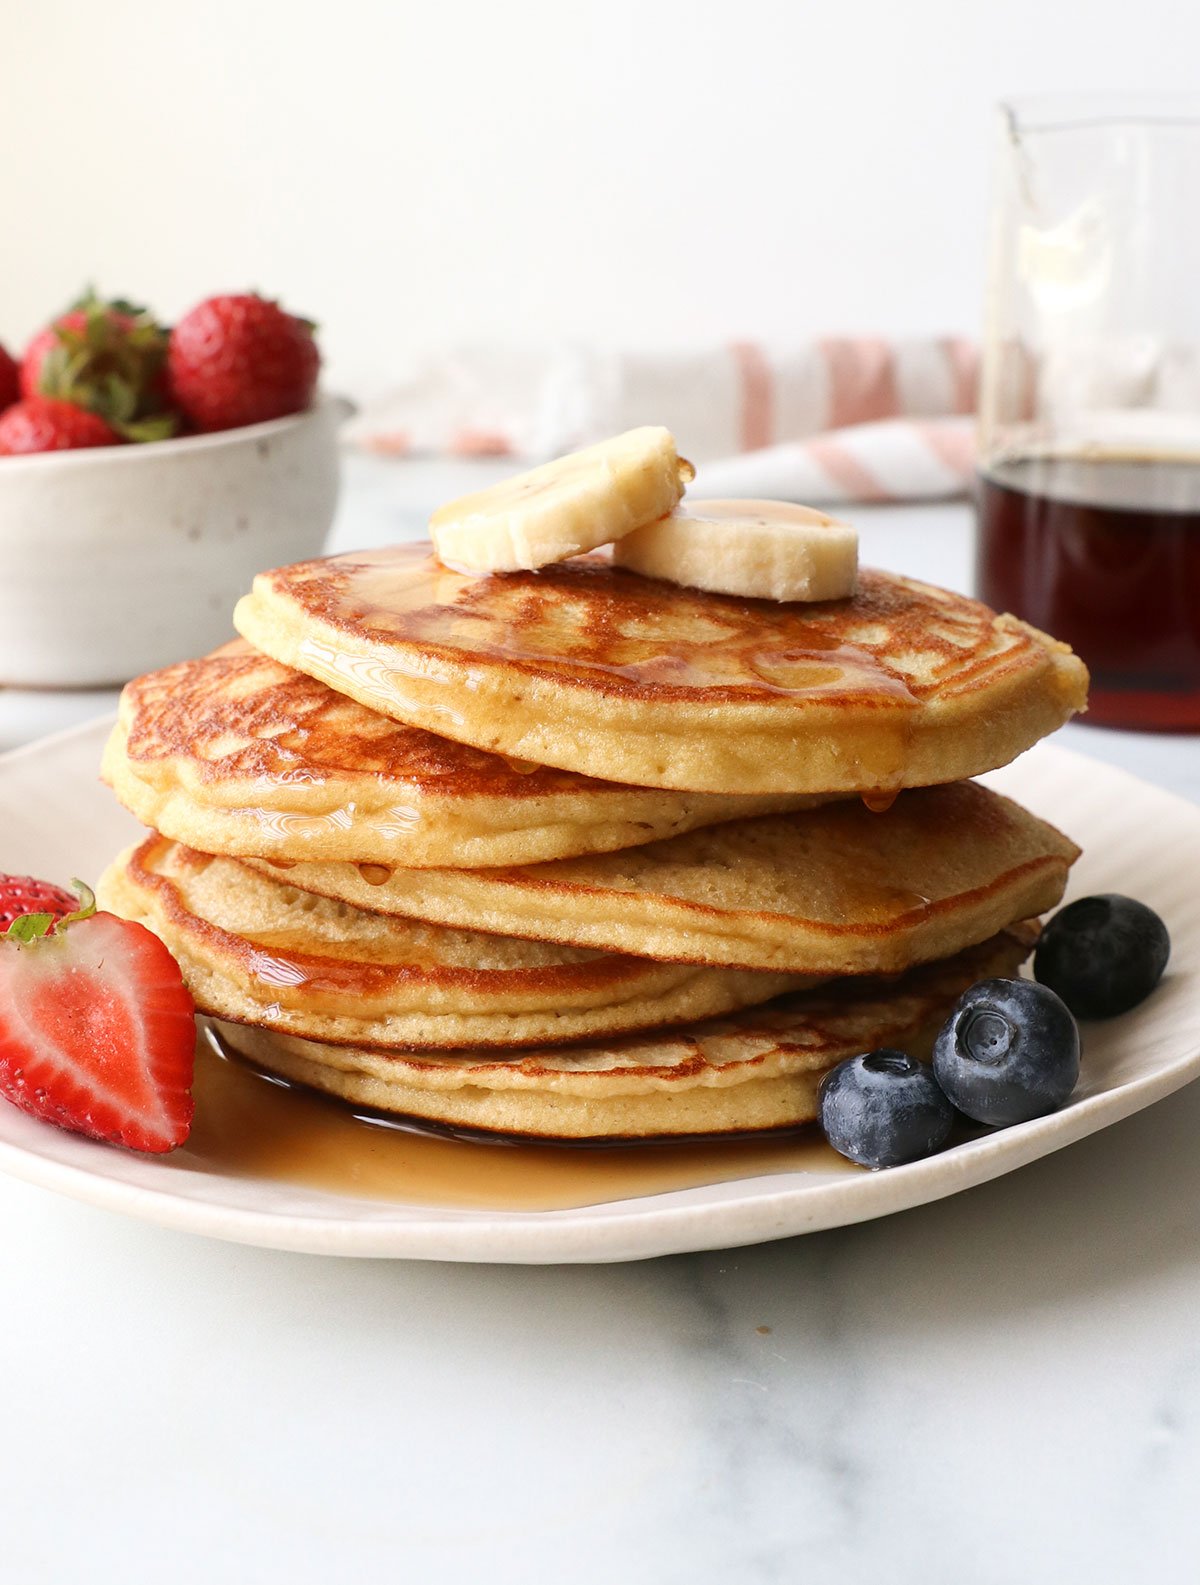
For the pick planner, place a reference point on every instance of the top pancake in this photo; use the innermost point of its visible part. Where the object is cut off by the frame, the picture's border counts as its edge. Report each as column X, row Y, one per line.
column 597, row 670
column 236, row 754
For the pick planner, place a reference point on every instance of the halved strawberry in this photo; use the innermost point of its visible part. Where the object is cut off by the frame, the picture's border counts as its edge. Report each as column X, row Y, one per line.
column 97, row 1032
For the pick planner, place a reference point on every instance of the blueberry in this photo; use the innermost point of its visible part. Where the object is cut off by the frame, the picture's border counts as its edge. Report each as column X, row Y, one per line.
column 883, row 1109
column 1009, row 1051
column 1103, row 955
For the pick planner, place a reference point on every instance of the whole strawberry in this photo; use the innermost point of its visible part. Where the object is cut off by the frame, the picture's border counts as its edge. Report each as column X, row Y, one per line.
column 54, row 343
column 108, row 357
column 10, row 380
column 97, row 1032
column 22, row 894
column 238, row 360
column 40, row 423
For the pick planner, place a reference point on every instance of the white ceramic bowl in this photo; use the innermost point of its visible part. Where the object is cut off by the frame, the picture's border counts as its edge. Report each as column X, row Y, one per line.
column 120, row 559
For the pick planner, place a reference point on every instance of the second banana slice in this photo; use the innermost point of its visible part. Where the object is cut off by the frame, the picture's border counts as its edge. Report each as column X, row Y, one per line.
column 767, row 550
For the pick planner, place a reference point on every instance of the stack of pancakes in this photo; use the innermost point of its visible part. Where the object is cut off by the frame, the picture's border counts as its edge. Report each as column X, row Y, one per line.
column 580, row 854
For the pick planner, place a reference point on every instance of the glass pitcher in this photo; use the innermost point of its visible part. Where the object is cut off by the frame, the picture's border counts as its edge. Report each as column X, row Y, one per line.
column 1089, row 479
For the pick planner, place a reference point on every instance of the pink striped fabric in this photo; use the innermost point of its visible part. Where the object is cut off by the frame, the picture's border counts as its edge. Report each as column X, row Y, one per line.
column 862, row 381
column 757, row 409
column 857, row 418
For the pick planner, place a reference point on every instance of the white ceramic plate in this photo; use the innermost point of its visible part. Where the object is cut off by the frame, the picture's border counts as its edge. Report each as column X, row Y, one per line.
column 58, row 821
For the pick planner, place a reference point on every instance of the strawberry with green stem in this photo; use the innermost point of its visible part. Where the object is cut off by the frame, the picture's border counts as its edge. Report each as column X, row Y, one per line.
column 106, row 357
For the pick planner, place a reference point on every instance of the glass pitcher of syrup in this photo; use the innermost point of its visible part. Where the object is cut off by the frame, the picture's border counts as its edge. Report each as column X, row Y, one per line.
column 1089, row 478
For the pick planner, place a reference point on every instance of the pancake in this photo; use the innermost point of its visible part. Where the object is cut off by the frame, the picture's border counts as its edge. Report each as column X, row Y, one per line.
column 236, row 754
column 835, row 890
column 255, row 951
column 757, row 1070
column 597, row 670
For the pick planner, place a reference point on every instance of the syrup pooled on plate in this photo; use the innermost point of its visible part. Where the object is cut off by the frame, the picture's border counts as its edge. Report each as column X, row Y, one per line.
column 251, row 1125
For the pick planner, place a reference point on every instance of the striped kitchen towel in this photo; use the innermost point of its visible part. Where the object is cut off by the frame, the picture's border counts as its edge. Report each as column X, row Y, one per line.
column 841, row 419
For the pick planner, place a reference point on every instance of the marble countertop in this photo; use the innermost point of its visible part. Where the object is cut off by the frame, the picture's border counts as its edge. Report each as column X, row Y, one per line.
column 1001, row 1387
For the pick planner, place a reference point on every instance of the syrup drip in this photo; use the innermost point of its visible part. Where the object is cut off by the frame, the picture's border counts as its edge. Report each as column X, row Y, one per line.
column 881, row 799
column 252, row 1125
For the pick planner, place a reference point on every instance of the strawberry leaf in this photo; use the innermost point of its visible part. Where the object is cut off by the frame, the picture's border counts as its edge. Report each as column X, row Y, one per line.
column 90, row 298
column 161, row 427
column 120, row 399
column 29, row 927
column 87, row 902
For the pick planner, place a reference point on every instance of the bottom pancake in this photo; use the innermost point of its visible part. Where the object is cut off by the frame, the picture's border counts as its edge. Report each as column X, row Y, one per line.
column 752, row 1071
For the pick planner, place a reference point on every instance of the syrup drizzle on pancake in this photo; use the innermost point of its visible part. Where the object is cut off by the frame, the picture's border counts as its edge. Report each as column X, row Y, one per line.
column 600, row 623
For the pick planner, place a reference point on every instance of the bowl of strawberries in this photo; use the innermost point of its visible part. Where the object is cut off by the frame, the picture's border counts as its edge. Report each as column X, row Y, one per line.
column 146, row 474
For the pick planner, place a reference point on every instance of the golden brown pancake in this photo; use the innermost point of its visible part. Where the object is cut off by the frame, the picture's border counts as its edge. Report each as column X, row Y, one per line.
column 254, row 950
column 597, row 670
column 755, row 1070
column 835, row 890
column 235, row 753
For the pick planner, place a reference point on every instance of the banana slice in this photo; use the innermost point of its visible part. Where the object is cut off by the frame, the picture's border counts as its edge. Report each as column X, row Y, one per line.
column 564, row 507
column 769, row 550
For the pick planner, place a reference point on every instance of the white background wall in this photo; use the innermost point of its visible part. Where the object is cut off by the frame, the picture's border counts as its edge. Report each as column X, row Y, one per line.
column 637, row 171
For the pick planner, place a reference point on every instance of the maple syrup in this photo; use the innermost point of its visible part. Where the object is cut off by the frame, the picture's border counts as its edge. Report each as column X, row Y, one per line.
column 250, row 1124
column 880, row 801
column 1103, row 551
